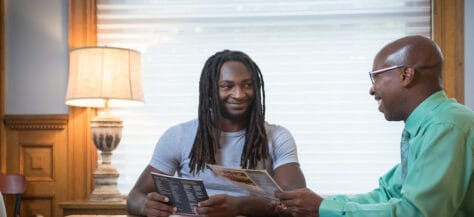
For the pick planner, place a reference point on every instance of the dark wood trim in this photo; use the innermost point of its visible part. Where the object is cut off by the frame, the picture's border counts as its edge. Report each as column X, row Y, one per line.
column 448, row 32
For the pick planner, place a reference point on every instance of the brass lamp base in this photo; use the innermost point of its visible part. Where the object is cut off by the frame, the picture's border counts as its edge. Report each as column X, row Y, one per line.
column 106, row 132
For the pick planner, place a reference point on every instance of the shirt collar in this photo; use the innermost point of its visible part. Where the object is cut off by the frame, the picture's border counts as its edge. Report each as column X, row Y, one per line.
column 423, row 110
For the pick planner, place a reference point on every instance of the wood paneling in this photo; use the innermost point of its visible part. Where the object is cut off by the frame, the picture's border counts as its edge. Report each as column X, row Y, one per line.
column 448, row 32
column 82, row 153
column 36, row 147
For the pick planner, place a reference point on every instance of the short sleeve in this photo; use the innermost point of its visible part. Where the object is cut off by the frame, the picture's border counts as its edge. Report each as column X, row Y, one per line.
column 167, row 152
column 283, row 146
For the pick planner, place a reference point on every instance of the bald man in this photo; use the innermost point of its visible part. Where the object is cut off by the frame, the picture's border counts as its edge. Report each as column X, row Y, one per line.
column 435, row 175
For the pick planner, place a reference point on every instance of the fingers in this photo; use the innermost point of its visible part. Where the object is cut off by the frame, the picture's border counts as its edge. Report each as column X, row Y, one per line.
column 283, row 195
column 213, row 200
column 211, row 211
column 300, row 202
column 218, row 205
column 287, row 195
column 157, row 197
column 291, row 203
column 157, row 205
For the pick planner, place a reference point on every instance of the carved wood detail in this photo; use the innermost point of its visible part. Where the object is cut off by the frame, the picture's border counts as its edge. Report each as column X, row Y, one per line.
column 36, row 122
column 37, row 161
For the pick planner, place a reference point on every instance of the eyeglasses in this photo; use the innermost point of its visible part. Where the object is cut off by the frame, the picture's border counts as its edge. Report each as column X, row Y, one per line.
column 373, row 73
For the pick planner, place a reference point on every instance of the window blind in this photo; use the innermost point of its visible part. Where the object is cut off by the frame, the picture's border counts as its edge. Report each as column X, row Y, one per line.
column 314, row 56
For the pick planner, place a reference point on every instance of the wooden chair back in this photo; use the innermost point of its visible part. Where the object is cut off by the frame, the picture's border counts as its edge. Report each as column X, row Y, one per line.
column 13, row 184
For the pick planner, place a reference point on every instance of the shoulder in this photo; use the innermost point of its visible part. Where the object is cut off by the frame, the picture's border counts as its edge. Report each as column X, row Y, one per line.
column 454, row 114
column 185, row 127
column 183, row 131
column 275, row 129
column 277, row 132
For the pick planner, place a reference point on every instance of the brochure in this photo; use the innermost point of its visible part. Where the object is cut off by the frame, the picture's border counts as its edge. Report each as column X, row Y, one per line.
column 184, row 193
column 257, row 182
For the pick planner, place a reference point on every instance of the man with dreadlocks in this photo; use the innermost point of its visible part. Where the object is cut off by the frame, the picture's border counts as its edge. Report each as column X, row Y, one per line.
column 230, row 131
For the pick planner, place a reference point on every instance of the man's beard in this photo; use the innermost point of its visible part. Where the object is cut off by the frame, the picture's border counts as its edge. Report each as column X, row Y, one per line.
column 235, row 117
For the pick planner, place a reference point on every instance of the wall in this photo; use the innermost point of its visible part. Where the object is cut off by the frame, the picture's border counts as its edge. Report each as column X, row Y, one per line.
column 469, row 53
column 36, row 56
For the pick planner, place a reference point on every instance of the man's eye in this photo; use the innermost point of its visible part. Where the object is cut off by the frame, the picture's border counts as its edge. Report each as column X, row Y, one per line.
column 226, row 87
column 248, row 85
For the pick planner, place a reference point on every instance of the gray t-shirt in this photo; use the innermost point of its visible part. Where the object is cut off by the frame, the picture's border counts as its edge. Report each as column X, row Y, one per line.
column 172, row 150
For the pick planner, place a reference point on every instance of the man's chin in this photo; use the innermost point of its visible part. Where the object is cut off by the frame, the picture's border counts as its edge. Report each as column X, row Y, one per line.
column 391, row 117
column 234, row 115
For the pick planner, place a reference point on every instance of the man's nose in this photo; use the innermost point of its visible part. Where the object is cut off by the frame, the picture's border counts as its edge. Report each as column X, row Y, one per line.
column 238, row 92
column 372, row 90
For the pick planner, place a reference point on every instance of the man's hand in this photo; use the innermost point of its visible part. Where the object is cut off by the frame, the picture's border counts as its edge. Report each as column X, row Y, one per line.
column 219, row 205
column 157, row 205
column 300, row 202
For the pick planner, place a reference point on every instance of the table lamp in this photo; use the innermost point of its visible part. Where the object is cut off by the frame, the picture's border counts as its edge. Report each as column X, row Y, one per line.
column 104, row 77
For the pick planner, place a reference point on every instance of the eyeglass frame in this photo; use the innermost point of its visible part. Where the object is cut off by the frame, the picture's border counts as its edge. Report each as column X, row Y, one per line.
column 378, row 71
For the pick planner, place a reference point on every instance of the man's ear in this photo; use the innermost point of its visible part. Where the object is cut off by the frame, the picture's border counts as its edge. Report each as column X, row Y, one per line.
column 408, row 76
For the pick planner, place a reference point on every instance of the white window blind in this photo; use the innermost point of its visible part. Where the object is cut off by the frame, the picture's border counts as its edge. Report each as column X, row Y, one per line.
column 314, row 56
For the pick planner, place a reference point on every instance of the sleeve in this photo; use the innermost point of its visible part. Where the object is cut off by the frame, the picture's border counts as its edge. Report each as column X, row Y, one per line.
column 436, row 183
column 167, row 152
column 283, row 146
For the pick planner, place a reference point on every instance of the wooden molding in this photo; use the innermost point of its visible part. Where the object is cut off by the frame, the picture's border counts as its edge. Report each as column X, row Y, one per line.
column 36, row 122
column 448, row 32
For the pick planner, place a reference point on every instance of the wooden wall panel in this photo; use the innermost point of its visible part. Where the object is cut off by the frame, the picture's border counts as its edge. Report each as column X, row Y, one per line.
column 448, row 32
column 36, row 147
column 82, row 152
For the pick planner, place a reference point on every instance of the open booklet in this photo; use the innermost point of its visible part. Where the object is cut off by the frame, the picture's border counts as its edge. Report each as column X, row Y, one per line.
column 184, row 193
column 257, row 182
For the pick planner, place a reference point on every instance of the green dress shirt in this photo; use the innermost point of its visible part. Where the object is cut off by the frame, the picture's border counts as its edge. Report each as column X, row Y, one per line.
column 439, row 180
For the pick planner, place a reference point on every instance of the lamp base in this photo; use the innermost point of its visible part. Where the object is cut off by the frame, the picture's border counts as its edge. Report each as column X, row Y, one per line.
column 105, row 188
column 106, row 132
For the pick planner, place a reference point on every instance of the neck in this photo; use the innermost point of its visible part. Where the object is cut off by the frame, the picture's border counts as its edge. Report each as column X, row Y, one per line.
column 419, row 96
column 227, row 125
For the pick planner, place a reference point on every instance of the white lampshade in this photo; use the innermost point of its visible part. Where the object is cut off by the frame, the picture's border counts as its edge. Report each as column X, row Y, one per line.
column 97, row 74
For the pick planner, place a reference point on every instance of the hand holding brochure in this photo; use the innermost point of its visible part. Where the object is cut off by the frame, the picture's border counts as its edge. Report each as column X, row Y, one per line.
column 257, row 182
column 183, row 193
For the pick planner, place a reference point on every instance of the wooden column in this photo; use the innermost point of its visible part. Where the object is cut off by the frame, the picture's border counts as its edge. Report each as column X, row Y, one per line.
column 82, row 154
column 448, row 32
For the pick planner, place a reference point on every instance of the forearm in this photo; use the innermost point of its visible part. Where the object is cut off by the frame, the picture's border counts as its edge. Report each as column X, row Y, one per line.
column 394, row 207
column 135, row 203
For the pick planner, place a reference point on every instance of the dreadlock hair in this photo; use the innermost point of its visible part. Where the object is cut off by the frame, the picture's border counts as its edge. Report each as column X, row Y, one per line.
column 207, row 137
